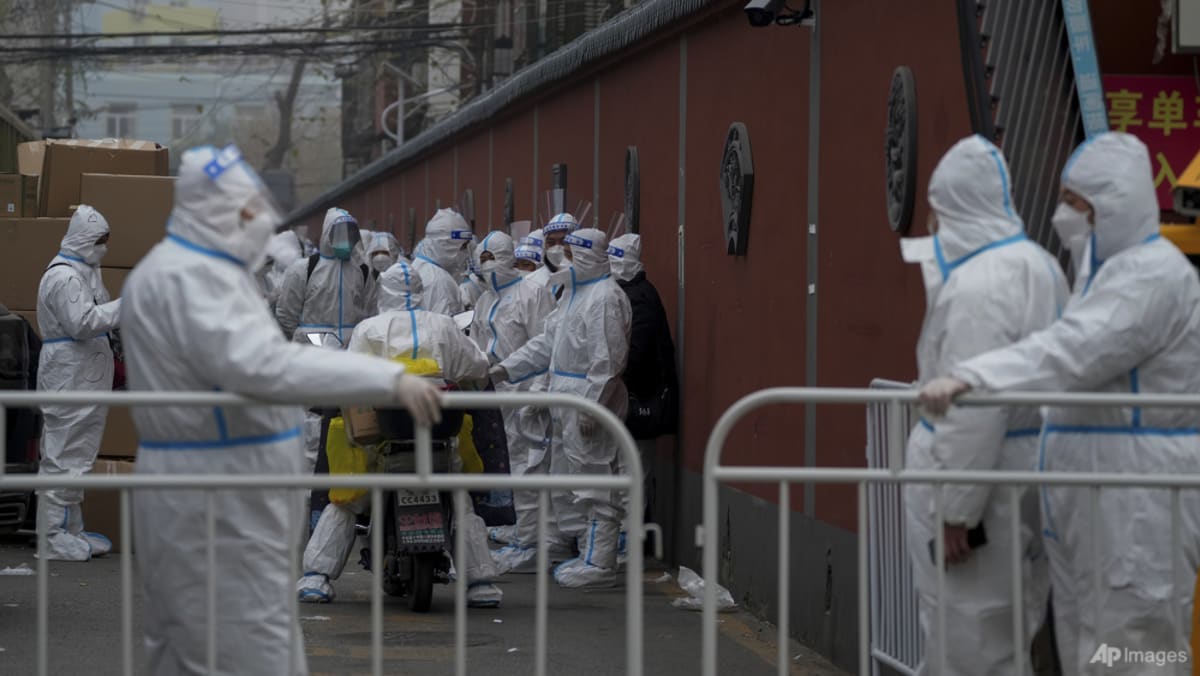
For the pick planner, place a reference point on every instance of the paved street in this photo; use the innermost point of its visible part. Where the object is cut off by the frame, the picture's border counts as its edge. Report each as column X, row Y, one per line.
column 586, row 628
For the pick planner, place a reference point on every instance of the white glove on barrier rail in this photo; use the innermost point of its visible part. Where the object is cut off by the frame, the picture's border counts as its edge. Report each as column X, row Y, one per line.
column 939, row 393
column 422, row 399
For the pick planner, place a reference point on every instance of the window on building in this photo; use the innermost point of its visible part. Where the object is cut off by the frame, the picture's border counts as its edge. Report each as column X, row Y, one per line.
column 185, row 117
column 121, row 120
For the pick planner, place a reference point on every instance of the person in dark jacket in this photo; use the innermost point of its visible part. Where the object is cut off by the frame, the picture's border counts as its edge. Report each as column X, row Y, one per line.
column 650, row 373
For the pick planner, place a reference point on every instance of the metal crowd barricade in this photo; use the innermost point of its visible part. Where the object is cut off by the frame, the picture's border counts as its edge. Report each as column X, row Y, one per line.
column 895, row 625
column 424, row 478
column 716, row 473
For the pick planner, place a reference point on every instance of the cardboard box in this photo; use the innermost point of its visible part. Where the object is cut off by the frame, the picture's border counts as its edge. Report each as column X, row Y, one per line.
column 26, row 247
column 30, row 156
column 120, row 438
column 114, row 280
column 66, row 161
column 29, row 196
column 102, row 509
column 13, row 195
column 136, row 208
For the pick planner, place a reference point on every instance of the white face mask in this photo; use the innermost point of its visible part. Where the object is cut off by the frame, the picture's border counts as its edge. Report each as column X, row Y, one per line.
column 1072, row 227
column 258, row 231
column 97, row 254
column 557, row 256
column 489, row 267
column 524, row 273
column 381, row 262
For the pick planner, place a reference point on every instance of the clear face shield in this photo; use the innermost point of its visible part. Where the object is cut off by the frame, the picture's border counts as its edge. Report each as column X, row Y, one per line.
column 344, row 237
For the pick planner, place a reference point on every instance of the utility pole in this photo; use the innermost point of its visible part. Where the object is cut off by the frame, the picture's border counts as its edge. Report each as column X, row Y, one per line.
column 48, row 21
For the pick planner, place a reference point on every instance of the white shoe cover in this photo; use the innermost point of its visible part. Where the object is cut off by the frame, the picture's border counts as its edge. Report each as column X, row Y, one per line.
column 597, row 562
column 63, row 546
column 502, row 534
column 314, row 588
column 100, row 544
column 585, row 576
column 522, row 559
column 484, row 595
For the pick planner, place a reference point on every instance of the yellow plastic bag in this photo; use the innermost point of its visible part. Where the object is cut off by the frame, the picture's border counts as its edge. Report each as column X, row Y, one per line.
column 471, row 462
column 346, row 458
column 419, row 367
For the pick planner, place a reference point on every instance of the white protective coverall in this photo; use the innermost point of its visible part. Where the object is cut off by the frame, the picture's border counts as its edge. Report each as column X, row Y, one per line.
column 383, row 251
column 283, row 250
column 533, row 247
column 334, row 298
column 584, row 349
column 402, row 329
column 508, row 315
column 1132, row 325
column 74, row 317
column 192, row 321
column 991, row 286
column 442, row 261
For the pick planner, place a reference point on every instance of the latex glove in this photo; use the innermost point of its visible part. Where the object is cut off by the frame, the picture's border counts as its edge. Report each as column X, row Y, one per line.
column 498, row 374
column 422, row 399
column 939, row 393
column 587, row 426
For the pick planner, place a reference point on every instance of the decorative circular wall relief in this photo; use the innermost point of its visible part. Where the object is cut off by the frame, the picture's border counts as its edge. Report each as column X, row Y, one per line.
column 900, row 150
column 737, row 189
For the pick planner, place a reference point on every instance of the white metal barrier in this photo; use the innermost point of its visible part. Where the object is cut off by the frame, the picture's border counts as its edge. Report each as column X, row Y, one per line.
column 716, row 473
column 424, row 478
column 896, row 639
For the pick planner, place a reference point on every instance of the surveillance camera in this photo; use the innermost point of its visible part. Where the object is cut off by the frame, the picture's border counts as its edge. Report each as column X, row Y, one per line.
column 762, row 12
column 1187, row 190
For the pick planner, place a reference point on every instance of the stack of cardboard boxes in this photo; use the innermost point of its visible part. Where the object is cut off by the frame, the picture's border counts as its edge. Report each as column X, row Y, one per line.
column 127, row 182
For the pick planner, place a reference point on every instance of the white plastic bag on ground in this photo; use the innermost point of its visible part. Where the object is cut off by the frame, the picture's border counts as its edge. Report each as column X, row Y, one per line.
column 693, row 584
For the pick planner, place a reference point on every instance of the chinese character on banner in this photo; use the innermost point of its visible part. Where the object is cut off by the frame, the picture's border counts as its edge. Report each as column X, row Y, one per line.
column 1164, row 112
column 1123, row 109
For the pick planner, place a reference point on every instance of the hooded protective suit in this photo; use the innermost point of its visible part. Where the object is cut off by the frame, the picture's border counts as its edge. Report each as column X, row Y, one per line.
column 193, row 322
column 508, row 315
column 383, row 251
column 334, row 297
column 401, row 329
column 584, row 349
column 533, row 248
column 1132, row 325
column 441, row 261
column 283, row 250
column 74, row 318
column 993, row 287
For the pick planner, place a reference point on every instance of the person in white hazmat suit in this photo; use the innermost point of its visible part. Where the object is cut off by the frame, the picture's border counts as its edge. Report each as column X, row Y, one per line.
column 332, row 297
column 533, row 248
column 383, row 251
column 584, row 350
column 1132, row 325
column 472, row 286
column 403, row 329
column 74, row 316
column 441, row 261
column 192, row 322
column 283, row 250
column 988, row 286
column 528, row 259
column 508, row 315
column 325, row 293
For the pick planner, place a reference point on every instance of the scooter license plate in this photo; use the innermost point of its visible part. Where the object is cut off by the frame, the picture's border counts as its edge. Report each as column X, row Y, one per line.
column 406, row 498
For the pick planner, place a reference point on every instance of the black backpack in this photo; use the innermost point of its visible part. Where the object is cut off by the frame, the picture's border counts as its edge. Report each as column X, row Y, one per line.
column 316, row 258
